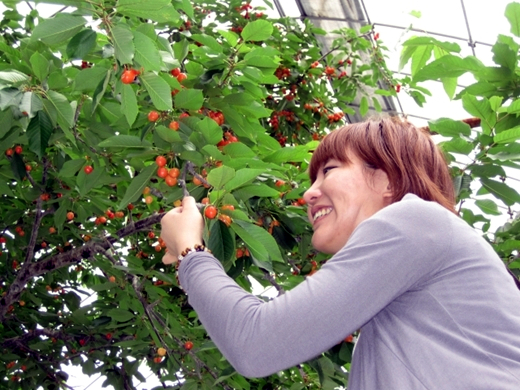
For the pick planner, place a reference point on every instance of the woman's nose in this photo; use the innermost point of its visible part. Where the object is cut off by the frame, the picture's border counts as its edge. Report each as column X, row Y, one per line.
column 312, row 194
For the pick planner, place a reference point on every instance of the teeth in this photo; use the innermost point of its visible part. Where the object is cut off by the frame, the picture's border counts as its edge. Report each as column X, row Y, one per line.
column 321, row 213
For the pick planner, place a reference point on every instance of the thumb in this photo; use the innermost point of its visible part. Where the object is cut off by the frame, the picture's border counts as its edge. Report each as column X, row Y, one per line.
column 189, row 203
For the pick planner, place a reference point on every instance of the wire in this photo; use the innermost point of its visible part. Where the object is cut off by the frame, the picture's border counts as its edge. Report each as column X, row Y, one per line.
column 471, row 43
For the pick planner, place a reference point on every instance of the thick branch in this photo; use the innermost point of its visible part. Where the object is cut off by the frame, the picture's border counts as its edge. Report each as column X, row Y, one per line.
column 68, row 258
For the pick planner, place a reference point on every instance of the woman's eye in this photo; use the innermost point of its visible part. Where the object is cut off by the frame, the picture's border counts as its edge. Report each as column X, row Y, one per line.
column 326, row 169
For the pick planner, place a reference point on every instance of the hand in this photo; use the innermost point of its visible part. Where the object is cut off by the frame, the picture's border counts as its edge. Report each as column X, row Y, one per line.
column 181, row 228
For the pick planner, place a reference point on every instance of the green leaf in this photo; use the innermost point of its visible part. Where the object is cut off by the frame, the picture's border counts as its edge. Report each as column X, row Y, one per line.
column 425, row 41
column 449, row 127
column 255, row 239
column 221, row 241
column 257, row 189
column 39, row 132
column 189, row 99
column 229, row 36
column 290, row 153
column 242, row 177
column 507, row 136
column 86, row 182
column 501, row 190
column 259, row 30
column 504, row 56
column 210, row 130
column 136, row 187
column 71, row 167
column 18, row 167
column 81, row 44
column 13, row 77
column 100, row 90
column 488, row 206
column 146, row 52
column 123, row 44
column 129, row 105
column 167, row 134
column 447, row 66
column 58, row 29
column 457, row 145
column 161, row 11
column 406, row 54
column 420, row 57
column 121, row 315
column 88, row 79
column 363, row 106
column 487, row 170
column 481, row 109
column 513, row 16
column 64, row 113
column 208, row 41
column 124, row 141
column 159, row 91
column 450, row 86
column 40, row 65
column 220, row 176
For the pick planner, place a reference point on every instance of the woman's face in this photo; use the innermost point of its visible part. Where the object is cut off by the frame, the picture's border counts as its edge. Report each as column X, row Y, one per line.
column 341, row 198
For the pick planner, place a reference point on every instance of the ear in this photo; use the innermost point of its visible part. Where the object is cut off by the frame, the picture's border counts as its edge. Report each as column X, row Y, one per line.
column 386, row 187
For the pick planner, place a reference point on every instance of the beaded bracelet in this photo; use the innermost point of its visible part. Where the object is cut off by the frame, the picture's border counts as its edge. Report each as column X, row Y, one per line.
column 186, row 252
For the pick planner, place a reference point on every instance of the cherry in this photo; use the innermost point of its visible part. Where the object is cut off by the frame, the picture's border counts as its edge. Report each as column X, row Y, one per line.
column 18, row 149
column 70, row 215
column 174, row 172
column 88, row 169
column 9, row 152
column 160, row 161
column 128, row 76
column 153, row 116
column 170, row 181
column 175, row 72
column 181, row 77
column 161, row 351
column 162, row 172
column 174, row 125
column 188, row 345
column 210, row 212
column 225, row 218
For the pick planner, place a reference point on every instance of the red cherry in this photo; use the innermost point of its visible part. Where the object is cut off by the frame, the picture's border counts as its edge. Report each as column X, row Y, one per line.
column 210, row 212
column 162, row 172
column 128, row 76
column 88, row 169
column 174, row 125
column 160, row 161
column 188, row 345
column 153, row 116
column 9, row 152
column 18, row 149
column 175, row 72
column 181, row 77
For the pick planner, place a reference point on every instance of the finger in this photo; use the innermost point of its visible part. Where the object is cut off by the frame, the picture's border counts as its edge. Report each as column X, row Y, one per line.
column 169, row 259
column 189, row 202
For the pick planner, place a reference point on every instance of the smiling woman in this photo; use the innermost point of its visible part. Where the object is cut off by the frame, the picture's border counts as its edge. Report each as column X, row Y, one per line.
column 434, row 302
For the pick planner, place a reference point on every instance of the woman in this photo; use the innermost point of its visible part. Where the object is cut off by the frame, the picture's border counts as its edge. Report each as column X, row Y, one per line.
column 436, row 307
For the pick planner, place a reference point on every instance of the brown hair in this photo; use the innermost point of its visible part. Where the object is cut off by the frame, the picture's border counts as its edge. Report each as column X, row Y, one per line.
column 408, row 155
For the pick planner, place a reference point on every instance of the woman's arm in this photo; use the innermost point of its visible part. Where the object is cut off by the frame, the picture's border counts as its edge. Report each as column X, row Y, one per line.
column 379, row 263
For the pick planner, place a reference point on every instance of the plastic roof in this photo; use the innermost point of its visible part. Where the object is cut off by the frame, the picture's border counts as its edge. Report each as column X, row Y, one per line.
column 474, row 25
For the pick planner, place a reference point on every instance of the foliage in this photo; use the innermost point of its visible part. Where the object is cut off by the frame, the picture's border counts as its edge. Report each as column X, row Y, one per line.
column 484, row 161
column 234, row 102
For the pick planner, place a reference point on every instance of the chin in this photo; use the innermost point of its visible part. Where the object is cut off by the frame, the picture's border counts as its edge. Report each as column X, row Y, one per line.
column 323, row 247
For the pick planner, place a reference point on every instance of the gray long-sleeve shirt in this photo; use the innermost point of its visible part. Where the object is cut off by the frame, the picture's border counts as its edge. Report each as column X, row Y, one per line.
column 435, row 304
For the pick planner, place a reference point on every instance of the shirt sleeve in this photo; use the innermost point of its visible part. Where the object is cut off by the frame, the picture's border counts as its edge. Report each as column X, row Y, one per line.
column 386, row 255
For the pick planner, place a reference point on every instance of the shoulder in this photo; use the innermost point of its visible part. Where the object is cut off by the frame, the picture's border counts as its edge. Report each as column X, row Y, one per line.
column 413, row 210
column 419, row 223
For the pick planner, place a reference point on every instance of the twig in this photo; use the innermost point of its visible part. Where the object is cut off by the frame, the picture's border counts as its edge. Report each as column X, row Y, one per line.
column 270, row 278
